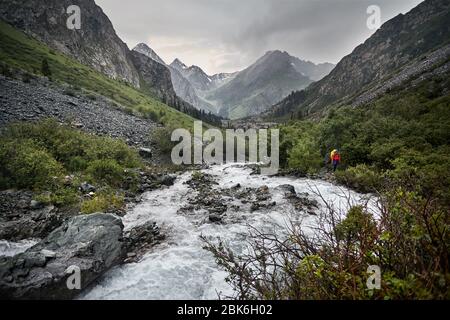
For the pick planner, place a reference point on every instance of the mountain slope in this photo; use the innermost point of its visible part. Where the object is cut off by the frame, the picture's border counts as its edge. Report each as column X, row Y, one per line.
column 397, row 43
column 181, row 86
column 187, row 92
column 156, row 80
column 19, row 51
column 155, row 77
column 96, row 44
column 252, row 90
column 313, row 71
column 194, row 74
column 146, row 50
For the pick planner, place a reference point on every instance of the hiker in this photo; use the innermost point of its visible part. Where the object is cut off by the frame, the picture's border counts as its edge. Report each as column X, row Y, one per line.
column 335, row 158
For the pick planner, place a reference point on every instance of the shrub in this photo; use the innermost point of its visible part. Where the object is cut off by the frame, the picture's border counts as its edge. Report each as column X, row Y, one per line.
column 408, row 241
column 361, row 178
column 162, row 138
column 45, row 68
column 61, row 197
column 91, row 96
column 5, row 70
column 152, row 115
column 25, row 164
column 305, row 156
column 38, row 155
column 76, row 164
column 107, row 171
column 70, row 92
column 26, row 77
column 102, row 203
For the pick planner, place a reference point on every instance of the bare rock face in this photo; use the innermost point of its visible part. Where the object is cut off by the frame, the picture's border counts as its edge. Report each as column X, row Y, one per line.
column 186, row 91
column 181, row 86
column 155, row 75
column 96, row 44
column 93, row 243
column 149, row 52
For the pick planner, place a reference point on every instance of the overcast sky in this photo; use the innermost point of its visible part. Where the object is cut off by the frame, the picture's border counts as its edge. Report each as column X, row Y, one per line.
column 229, row 35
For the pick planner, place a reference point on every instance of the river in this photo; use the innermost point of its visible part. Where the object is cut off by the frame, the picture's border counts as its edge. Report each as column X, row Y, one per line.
column 179, row 268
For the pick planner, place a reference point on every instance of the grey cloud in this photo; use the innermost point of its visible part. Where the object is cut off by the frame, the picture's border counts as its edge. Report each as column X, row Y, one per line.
column 228, row 35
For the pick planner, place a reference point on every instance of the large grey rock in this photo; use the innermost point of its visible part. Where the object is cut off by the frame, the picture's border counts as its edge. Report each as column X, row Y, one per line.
column 92, row 243
column 24, row 218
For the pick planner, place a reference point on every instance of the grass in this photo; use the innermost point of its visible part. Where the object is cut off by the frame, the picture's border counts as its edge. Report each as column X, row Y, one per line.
column 20, row 51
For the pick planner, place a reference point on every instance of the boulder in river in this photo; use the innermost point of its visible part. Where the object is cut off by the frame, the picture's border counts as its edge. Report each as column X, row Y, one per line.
column 289, row 190
column 139, row 240
column 214, row 218
column 91, row 243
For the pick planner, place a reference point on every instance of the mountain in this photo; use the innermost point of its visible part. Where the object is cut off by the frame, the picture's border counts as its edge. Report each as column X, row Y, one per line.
column 194, row 74
column 146, row 50
column 96, row 44
column 313, row 71
column 187, row 92
column 193, row 84
column 158, row 80
column 156, row 77
column 253, row 90
column 403, row 48
column 202, row 82
column 220, row 79
column 268, row 80
column 181, row 86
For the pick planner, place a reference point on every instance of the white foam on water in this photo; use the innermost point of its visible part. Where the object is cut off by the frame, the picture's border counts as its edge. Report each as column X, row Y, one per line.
column 180, row 268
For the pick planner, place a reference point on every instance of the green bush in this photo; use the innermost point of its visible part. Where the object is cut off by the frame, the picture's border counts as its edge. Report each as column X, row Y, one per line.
column 74, row 148
column 45, row 68
column 305, row 156
column 63, row 196
column 162, row 138
column 361, row 178
column 38, row 156
column 408, row 241
column 107, row 171
column 25, row 164
column 102, row 203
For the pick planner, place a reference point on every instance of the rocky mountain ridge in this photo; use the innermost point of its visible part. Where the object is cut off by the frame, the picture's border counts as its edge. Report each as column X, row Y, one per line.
column 96, row 44
column 398, row 42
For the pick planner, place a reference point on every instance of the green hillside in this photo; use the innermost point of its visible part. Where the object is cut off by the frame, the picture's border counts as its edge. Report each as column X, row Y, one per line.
column 20, row 51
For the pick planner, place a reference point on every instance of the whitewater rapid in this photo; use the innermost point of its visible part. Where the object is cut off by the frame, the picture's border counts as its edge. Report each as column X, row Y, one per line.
column 180, row 268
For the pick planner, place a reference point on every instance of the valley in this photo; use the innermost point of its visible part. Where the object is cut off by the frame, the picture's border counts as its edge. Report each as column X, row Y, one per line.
column 89, row 180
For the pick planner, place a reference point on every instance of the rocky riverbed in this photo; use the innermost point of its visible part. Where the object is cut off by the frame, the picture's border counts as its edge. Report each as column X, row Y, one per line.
column 224, row 201
column 154, row 251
